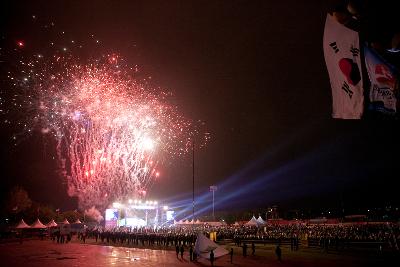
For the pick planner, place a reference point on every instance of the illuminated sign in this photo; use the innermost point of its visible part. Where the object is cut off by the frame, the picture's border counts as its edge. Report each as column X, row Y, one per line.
column 170, row 215
column 111, row 217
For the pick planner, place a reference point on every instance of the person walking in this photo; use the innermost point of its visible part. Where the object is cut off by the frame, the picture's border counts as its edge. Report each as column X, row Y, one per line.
column 212, row 257
column 177, row 251
column 231, row 254
column 253, row 249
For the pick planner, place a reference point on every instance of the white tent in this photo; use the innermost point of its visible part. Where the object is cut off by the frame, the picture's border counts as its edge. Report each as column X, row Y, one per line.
column 38, row 224
column 78, row 221
column 22, row 225
column 204, row 246
column 253, row 222
column 65, row 221
column 52, row 223
column 260, row 220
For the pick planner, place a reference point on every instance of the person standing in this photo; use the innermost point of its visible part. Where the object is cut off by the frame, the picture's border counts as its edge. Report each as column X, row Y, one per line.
column 278, row 253
column 182, row 250
column 177, row 251
column 253, row 249
column 231, row 254
column 292, row 243
column 212, row 257
column 244, row 249
column 191, row 253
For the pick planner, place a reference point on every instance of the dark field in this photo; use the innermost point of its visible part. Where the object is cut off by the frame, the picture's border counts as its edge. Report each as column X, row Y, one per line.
column 47, row 253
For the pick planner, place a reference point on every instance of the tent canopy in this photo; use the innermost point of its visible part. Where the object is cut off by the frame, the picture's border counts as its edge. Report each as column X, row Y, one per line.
column 253, row 222
column 38, row 224
column 65, row 221
column 260, row 220
column 22, row 225
column 52, row 223
column 204, row 246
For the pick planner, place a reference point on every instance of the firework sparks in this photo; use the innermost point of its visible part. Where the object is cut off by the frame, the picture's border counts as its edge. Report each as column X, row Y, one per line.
column 110, row 130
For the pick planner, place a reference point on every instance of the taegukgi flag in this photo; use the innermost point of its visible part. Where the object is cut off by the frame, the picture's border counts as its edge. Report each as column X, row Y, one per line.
column 342, row 57
column 384, row 82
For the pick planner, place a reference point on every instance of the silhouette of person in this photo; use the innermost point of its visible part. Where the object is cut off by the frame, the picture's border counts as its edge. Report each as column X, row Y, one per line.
column 212, row 257
column 278, row 252
column 182, row 250
column 191, row 253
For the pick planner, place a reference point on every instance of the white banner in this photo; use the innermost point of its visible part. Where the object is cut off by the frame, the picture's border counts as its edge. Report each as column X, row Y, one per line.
column 342, row 57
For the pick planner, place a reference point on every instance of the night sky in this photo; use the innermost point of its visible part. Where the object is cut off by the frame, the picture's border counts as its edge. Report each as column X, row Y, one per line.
column 253, row 71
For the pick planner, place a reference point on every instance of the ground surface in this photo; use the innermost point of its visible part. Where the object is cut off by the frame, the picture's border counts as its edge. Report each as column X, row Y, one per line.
column 46, row 253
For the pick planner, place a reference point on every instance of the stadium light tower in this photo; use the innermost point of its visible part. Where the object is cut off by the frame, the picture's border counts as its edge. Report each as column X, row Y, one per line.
column 213, row 188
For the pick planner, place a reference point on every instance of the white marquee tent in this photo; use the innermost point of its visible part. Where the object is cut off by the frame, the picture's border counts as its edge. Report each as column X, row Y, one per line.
column 253, row 222
column 38, row 224
column 260, row 220
column 52, row 223
column 22, row 225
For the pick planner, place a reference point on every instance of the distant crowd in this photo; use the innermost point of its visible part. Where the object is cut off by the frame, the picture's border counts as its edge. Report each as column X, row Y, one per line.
column 337, row 236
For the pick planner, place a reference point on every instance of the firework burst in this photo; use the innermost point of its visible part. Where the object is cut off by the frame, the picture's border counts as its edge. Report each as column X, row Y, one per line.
column 110, row 130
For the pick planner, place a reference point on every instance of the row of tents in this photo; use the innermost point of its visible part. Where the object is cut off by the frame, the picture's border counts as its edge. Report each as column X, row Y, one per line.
column 256, row 222
column 39, row 225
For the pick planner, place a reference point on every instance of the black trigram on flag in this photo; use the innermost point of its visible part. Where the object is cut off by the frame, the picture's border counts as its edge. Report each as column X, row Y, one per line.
column 355, row 51
column 346, row 88
column 334, row 47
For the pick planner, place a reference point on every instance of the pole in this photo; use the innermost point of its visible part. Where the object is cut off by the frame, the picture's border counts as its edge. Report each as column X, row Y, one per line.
column 213, row 188
column 193, row 178
column 213, row 206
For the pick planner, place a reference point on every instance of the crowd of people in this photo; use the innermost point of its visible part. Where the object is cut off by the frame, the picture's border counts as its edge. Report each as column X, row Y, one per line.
column 338, row 236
